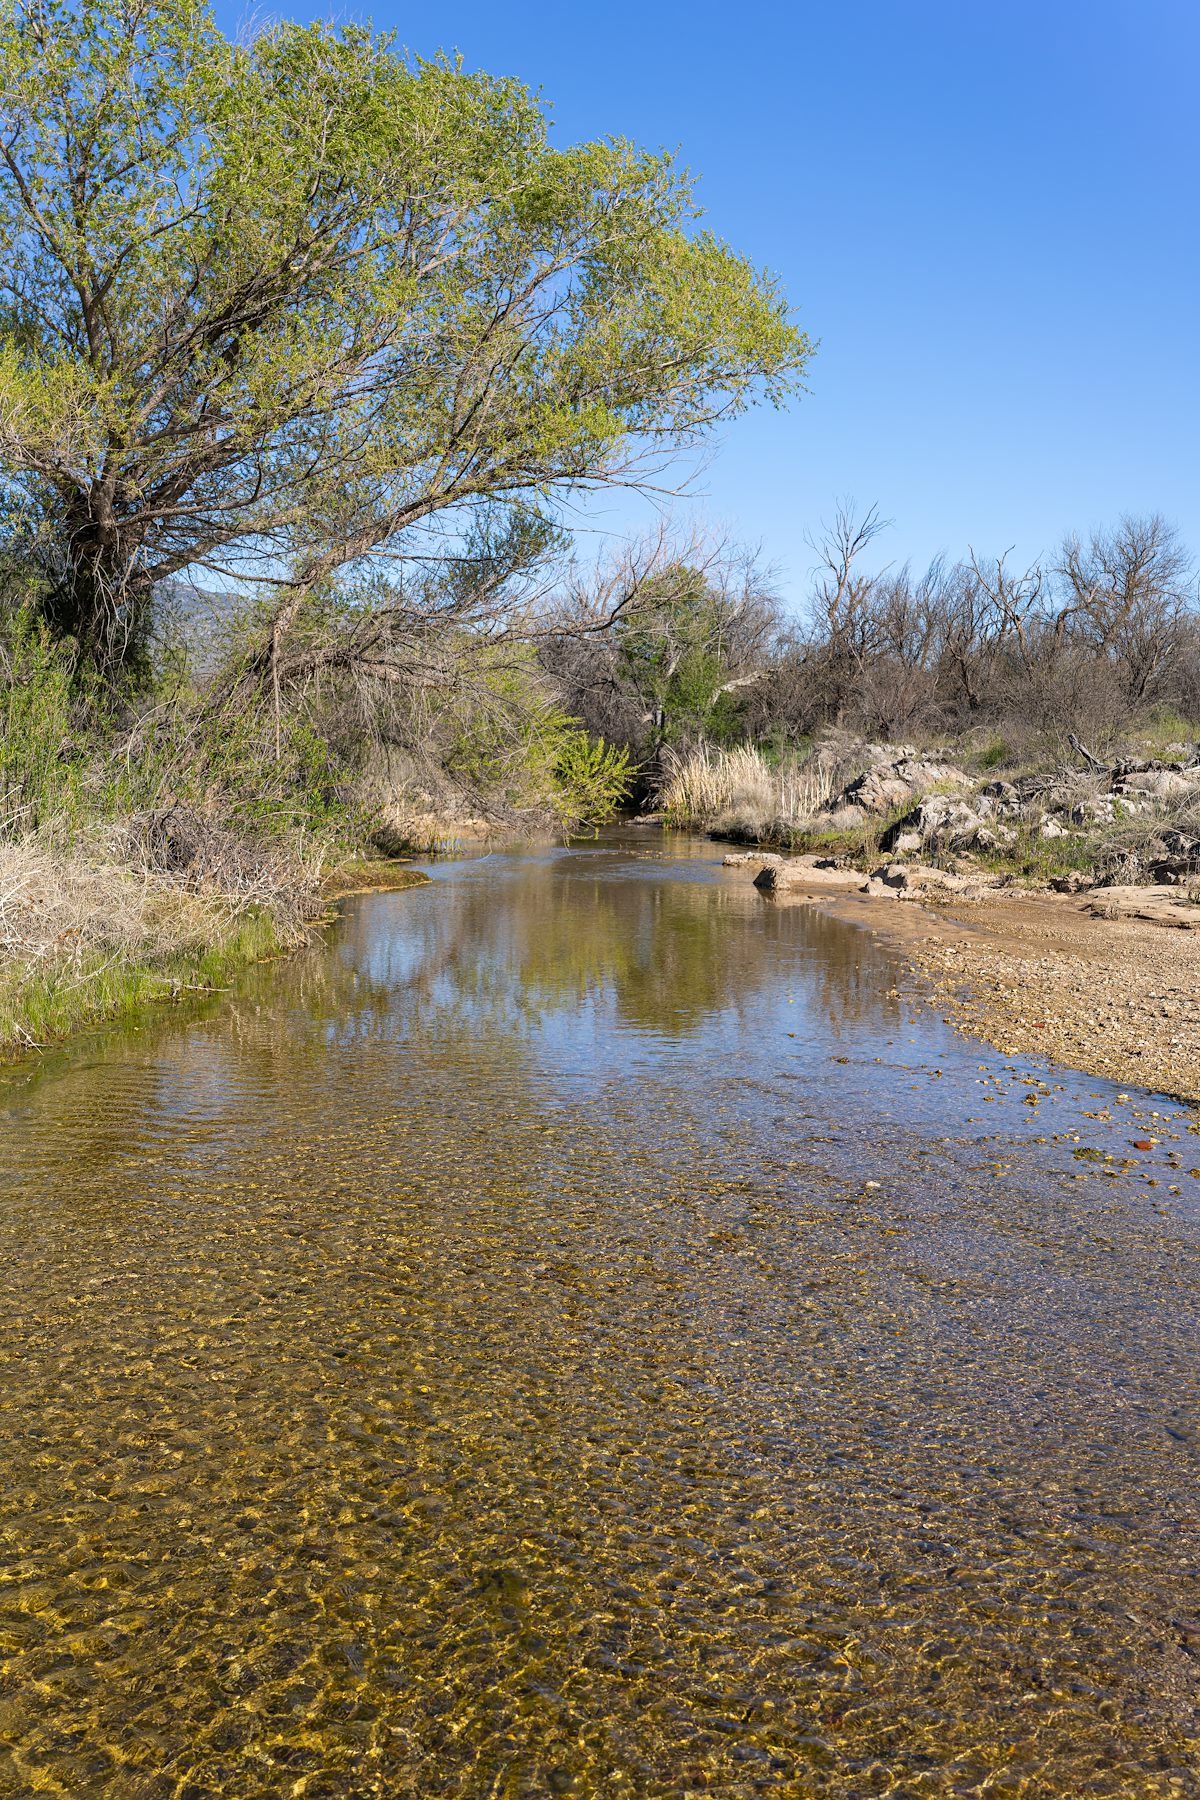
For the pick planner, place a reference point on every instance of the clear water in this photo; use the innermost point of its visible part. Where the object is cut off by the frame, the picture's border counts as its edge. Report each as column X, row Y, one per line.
column 469, row 1360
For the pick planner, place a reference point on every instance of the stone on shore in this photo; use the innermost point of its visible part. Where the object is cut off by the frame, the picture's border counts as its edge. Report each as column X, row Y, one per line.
column 1154, row 905
column 918, row 879
column 813, row 874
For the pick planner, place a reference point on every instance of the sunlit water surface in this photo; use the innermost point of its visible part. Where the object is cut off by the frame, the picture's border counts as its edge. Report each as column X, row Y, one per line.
column 469, row 1360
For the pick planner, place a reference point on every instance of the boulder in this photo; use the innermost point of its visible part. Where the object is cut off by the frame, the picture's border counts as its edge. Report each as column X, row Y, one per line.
column 879, row 756
column 903, row 843
column 1159, row 784
column 878, row 791
column 992, row 837
column 940, row 821
column 1096, row 809
column 1151, row 905
column 918, row 878
column 907, row 834
column 888, row 784
column 757, row 859
column 1185, row 844
column 1073, row 882
column 1173, row 858
column 810, row 874
column 922, row 775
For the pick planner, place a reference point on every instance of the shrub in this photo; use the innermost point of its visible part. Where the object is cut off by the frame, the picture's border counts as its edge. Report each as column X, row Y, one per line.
column 41, row 772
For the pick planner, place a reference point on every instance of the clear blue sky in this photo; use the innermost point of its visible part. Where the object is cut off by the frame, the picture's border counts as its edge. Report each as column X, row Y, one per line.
column 986, row 210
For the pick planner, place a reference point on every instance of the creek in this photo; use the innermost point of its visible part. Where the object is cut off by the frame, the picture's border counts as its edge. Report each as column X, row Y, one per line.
column 585, row 1329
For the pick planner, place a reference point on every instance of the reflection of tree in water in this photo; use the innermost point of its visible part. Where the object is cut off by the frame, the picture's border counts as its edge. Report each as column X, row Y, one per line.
column 468, row 968
column 852, row 976
column 554, row 937
column 490, row 955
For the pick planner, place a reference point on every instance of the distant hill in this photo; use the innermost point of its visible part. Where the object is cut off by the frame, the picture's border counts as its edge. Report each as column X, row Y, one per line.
column 197, row 621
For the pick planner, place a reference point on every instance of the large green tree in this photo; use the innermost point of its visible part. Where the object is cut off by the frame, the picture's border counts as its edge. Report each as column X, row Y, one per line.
column 271, row 308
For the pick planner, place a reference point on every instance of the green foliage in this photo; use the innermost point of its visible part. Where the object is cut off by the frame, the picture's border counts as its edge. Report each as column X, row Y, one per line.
column 307, row 290
column 592, row 778
column 780, row 750
column 272, row 787
column 41, row 771
column 1165, row 726
column 1032, row 857
column 859, row 844
column 995, row 755
column 66, row 761
column 675, row 643
column 510, row 745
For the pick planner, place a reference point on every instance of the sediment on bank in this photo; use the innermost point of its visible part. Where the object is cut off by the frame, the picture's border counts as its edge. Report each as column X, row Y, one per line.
column 1106, row 981
column 1041, row 895
column 1041, row 975
column 370, row 875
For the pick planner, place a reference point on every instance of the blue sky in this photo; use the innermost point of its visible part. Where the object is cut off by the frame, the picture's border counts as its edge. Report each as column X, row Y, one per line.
column 986, row 210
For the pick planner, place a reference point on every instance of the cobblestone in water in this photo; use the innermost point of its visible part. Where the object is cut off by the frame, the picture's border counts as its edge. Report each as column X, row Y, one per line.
column 582, row 1335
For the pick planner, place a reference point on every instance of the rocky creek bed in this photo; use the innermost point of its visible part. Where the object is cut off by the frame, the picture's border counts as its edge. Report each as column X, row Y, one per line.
column 1043, row 976
column 584, row 1330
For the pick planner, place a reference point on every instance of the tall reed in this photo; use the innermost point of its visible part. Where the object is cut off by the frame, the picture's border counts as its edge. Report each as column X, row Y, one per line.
column 739, row 789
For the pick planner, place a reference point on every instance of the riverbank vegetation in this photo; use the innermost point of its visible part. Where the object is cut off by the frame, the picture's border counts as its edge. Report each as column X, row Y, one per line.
column 307, row 348
column 1045, row 722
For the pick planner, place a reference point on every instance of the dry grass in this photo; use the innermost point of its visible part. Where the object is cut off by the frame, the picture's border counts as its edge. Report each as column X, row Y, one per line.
column 739, row 792
column 1131, row 848
column 92, row 928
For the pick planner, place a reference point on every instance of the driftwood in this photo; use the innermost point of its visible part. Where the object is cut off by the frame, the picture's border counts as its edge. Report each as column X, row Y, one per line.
column 1093, row 762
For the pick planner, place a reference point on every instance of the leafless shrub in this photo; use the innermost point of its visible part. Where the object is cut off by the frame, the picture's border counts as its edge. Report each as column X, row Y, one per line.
column 1088, row 641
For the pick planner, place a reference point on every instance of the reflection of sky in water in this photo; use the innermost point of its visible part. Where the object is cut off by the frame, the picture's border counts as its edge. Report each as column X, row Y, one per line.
column 585, row 1334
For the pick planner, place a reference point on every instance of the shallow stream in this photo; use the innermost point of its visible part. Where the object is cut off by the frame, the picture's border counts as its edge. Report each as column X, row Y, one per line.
column 588, row 1330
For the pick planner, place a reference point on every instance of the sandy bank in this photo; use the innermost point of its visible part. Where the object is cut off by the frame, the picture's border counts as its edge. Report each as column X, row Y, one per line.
column 370, row 876
column 1035, row 973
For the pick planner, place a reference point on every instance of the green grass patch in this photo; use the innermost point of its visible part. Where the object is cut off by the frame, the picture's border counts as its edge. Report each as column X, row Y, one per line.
column 1165, row 729
column 1038, row 859
column 859, row 844
column 44, row 1002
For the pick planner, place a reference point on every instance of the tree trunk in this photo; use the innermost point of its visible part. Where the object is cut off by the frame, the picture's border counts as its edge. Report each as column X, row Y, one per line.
column 103, row 601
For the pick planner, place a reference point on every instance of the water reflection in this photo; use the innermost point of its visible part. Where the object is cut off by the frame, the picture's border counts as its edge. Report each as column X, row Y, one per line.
column 501, row 946
column 471, row 1362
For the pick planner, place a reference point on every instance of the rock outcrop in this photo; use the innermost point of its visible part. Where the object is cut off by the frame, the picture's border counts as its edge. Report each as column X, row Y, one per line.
column 880, row 789
column 1154, row 905
column 1139, row 820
